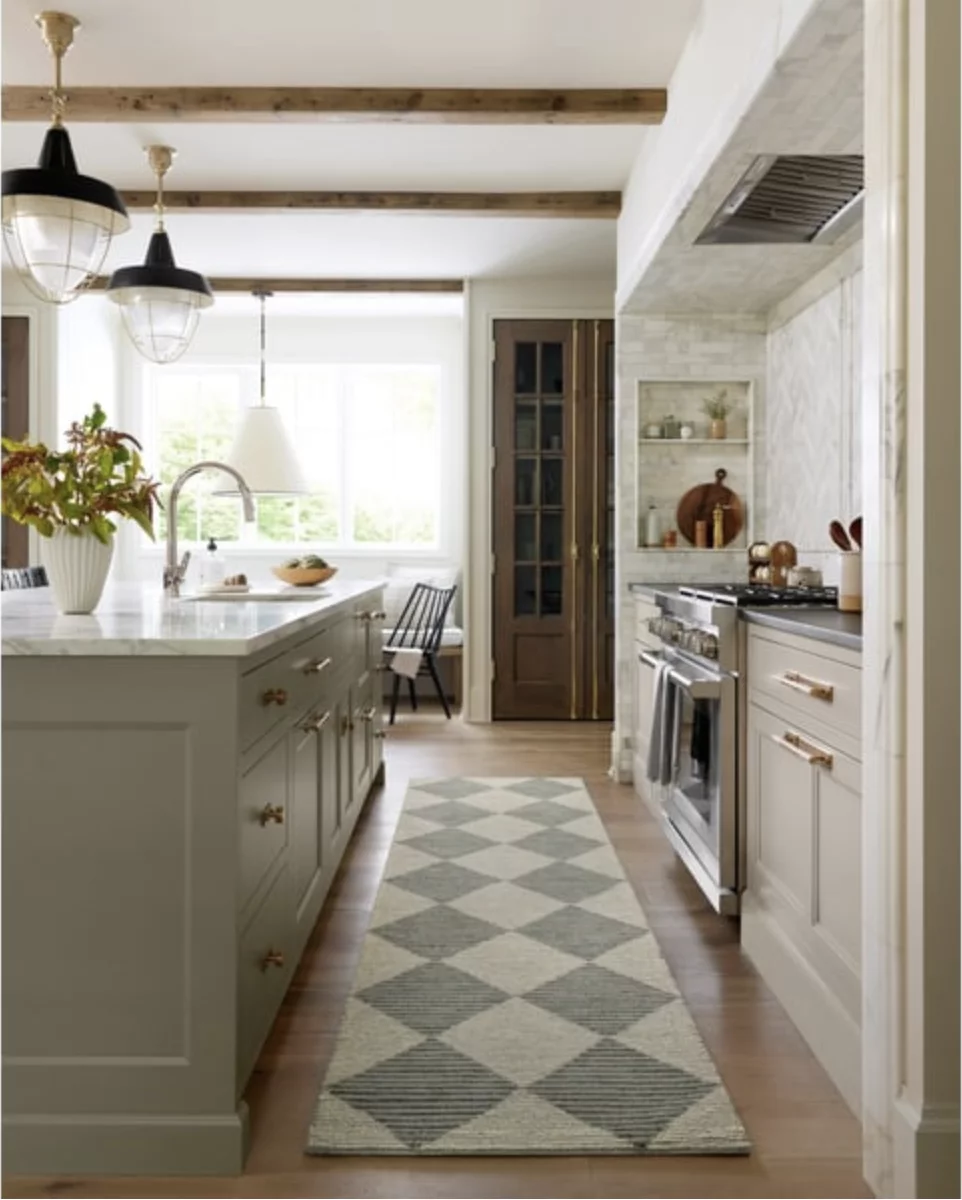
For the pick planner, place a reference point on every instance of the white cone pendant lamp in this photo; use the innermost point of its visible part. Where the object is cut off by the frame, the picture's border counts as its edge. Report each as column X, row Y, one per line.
column 263, row 451
column 57, row 223
column 160, row 302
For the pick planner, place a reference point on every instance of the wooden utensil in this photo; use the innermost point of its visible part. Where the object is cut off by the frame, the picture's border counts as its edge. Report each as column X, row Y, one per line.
column 697, row 505
column 836, row 531
column 855, row 529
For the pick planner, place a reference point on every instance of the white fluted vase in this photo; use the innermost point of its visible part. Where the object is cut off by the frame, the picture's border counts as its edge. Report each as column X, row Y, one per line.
column 77, row 566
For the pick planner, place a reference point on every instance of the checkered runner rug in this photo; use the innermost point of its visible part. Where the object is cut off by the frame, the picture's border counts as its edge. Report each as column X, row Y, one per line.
column 510, row 998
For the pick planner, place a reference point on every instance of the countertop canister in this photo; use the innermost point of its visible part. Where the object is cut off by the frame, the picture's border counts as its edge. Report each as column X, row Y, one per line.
column 850, row 581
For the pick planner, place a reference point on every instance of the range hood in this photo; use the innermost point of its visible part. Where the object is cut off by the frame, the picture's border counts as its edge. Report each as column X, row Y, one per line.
column 794, row 198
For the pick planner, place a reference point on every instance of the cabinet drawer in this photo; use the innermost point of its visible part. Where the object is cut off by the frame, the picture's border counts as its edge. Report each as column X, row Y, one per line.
column 264, row 819
column 812, row 684
column 265, row 968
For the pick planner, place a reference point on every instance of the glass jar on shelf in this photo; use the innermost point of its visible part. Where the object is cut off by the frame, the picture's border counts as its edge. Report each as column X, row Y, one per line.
column 671, row 427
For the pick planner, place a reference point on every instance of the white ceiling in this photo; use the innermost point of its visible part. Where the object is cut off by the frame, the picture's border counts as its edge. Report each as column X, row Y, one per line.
column 378, row 43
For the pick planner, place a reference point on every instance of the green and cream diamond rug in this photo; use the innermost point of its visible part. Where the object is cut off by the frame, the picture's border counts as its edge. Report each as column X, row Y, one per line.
column 509, row 997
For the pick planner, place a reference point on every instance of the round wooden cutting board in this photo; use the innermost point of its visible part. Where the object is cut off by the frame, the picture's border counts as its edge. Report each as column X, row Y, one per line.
column 697, row 505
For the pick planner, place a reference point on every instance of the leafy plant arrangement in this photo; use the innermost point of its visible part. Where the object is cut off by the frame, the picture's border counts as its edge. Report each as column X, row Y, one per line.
column 100, row 473
column 718, row 406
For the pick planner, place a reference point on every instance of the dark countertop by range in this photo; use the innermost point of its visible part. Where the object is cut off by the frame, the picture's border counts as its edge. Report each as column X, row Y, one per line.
column 820, row 624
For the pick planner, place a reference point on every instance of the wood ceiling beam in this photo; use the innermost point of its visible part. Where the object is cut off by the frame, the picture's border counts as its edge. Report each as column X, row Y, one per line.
column 595, row 205
column 432, row 287
column 444, row 106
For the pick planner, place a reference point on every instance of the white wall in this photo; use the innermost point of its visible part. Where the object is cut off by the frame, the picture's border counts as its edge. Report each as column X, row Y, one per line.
column 728, row 57
column 234, row 339
column 813, row 415
column 489, row 300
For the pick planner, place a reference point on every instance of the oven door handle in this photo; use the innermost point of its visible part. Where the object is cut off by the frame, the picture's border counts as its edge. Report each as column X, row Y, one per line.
column 699, row 687
column 650, row 660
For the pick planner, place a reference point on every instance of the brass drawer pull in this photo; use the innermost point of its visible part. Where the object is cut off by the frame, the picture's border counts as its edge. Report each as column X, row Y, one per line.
column 370, row 616
column 273, row 958
column 814, row 755
column 380, row 733
column 811, row 687
column 346, row 724
column 271, row 812
column 369, row 713
column 316, row 724
column 274, row 696
column 317, row 666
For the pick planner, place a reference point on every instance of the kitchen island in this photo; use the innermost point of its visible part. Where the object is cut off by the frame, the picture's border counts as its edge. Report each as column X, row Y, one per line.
column 181, row 778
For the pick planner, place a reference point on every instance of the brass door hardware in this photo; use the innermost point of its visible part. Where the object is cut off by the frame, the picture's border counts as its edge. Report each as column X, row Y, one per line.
column 316, row 724
column 317, row 666
column 814, row 755
column 273, row 958
column 274, row 696
column 811, row 687
column 271, row 812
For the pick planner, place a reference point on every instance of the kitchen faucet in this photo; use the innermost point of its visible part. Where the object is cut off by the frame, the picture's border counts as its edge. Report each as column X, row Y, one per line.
column 175, row 571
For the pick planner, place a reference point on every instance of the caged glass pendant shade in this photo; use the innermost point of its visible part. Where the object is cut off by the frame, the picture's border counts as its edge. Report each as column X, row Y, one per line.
column 160, row 302
column 263, row 451
column 58, row 224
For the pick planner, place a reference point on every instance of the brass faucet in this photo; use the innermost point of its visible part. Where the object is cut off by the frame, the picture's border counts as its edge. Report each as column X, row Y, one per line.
column 175, row 571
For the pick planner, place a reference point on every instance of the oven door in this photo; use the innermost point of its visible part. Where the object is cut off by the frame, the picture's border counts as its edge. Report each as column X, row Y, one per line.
column 699, row 804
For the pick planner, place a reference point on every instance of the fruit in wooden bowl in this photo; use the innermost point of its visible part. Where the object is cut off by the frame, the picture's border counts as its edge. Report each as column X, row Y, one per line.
column 305, row 572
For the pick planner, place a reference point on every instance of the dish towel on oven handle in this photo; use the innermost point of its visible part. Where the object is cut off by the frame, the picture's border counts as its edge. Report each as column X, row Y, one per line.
column 661, row 746
column 406, row 661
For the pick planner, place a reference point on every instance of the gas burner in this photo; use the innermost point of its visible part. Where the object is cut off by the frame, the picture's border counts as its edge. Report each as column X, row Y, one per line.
column 745, row 595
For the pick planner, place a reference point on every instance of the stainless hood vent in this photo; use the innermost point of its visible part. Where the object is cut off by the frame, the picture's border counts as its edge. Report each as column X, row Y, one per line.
column 796, row 198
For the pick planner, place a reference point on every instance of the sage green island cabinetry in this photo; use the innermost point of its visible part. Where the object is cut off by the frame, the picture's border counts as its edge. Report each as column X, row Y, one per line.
column 180, row 781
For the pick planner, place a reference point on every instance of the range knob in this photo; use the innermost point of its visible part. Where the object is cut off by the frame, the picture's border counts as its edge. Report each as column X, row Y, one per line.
column 709, row 645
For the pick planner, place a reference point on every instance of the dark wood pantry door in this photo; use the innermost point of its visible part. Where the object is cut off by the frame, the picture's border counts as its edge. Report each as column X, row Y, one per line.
column 15, row 366
column 553, row 627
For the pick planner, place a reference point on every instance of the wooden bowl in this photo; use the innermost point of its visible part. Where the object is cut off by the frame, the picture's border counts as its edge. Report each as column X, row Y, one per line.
column 304, row 576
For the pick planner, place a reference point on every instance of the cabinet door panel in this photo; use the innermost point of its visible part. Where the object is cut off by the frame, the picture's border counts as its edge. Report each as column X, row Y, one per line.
column 307, row 833
column 264, row 818
column 781, row 786
column 838, row 866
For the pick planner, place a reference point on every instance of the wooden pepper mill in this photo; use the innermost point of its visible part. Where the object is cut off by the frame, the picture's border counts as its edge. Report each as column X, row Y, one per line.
column 718, row 526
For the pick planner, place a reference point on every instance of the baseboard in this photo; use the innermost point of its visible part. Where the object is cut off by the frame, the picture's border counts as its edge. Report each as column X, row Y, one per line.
column 833, row 1036
column 121, row 1144
column 925, row 1146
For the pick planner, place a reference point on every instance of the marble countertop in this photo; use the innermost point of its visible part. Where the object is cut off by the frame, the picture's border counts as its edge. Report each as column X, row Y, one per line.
column 819, row 624
column 134, row 619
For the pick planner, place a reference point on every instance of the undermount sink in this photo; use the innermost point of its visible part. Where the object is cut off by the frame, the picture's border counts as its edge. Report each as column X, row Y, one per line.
column 304, row 596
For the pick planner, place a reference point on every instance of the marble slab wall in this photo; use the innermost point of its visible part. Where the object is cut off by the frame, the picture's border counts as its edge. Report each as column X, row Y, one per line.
column 812, row 467
column 701, row 349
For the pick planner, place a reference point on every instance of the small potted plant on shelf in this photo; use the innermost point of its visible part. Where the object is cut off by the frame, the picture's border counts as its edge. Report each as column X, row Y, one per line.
column 69, row 495
column 718, row 407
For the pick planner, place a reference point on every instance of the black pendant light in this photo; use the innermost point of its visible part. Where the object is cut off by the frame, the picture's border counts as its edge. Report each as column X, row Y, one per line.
column 57, row 223
column 159, row 301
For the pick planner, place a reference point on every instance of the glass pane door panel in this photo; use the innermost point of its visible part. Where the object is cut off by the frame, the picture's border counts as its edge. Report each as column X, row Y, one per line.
column 552, row 482
column 552, row 426
column 526, row 369
column 552, row 593
column 552, row 537
column 525, row 591
column 552, row 369
column 526, row 427
column 525, row 540
column 525, row 482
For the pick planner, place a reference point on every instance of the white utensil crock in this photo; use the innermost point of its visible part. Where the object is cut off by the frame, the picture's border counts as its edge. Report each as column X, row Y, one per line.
column 77, row 566
column 850, row 581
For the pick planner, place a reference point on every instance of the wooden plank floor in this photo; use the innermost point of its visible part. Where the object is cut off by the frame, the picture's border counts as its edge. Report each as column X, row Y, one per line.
column 806, row 1142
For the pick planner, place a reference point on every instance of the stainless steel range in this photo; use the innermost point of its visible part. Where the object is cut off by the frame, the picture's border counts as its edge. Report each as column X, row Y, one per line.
column 698, row 758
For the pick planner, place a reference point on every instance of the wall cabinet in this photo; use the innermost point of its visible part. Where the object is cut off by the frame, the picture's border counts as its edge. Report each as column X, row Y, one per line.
column 801, row 911
column 162, row 872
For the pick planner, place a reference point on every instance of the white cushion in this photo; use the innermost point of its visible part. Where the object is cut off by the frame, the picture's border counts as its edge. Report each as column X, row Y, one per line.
column 400, row 585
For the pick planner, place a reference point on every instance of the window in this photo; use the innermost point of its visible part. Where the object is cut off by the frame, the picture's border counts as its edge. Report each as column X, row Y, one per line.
column 368, row 437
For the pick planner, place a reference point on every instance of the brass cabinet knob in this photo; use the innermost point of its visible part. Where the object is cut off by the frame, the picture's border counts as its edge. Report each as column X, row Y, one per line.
column 274, row 696
column 369, row 713
column 317, row 666
column 271, row 812
column 316, row 724
column 273, row 958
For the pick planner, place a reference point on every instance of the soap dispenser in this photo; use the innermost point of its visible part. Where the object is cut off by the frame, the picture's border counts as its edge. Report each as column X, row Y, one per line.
column 213, row 567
